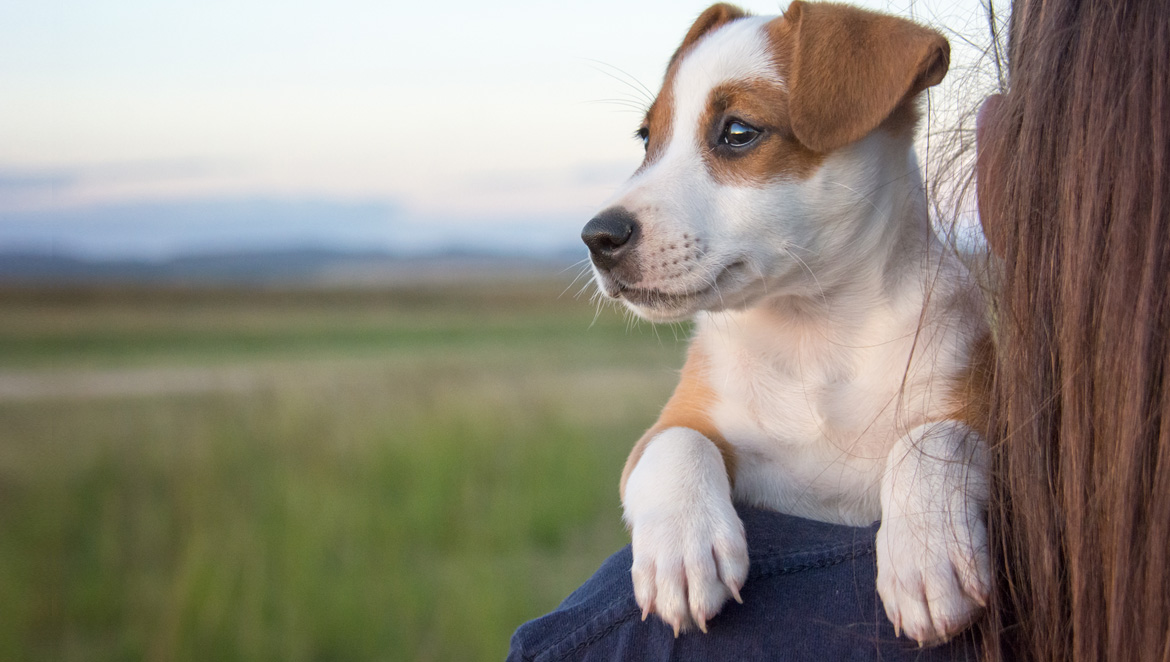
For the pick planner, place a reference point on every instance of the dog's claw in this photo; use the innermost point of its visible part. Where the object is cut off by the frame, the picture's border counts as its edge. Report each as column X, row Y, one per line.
column 735, row 594
column 702, row 623
column 648, row 608
column 675, row 626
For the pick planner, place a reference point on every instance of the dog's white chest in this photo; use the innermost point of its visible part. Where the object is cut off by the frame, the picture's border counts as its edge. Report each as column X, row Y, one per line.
column 811, row 419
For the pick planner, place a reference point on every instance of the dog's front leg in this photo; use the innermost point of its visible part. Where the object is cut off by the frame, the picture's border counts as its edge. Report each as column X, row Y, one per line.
column 690, row 552
column 932, row 555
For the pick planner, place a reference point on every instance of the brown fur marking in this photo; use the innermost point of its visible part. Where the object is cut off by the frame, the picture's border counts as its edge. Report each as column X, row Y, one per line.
column 689, row 407
column 842, row 73
column 848, row 69
column 776, row 154
column 975, row 386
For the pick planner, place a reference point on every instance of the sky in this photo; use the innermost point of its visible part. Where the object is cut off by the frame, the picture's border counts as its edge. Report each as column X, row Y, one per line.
column 152, row 128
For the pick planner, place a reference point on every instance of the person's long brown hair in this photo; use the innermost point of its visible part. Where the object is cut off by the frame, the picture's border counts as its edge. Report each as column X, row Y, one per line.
column 1080, row 509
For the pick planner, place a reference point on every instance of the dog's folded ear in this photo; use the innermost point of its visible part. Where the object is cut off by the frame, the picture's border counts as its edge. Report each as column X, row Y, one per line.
column 849, row 69
column 711, row 18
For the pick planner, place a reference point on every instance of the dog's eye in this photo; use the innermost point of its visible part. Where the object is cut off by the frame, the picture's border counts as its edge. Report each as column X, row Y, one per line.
column 738, row 134
column 643, row 134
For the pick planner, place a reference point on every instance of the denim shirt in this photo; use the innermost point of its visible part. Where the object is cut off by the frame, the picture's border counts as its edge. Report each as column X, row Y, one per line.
column 810, row 595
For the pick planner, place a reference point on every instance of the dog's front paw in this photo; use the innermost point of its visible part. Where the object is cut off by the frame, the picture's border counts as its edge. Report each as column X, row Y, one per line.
column 690, row 551
column 687, row 563
column 933, row 576
column 932, row 556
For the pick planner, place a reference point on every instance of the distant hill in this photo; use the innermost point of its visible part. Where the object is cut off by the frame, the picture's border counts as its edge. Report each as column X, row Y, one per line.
column 282, row 267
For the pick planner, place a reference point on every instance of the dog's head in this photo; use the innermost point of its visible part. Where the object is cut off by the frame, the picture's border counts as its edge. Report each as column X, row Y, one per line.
column 761, row 129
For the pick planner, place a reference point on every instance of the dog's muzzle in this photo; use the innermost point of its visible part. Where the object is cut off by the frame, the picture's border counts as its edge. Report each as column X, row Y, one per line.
column 610, row 236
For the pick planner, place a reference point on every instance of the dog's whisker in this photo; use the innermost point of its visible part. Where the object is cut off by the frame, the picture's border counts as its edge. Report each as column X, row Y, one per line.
column 626, row 79
column 568, row 287
column 802, row 263
column 791, row 246
column 718, row 292
column 596, row 293
column 858, row 195
column 760, row 273
column 574, row 265
column 645, row 91
column 629, row 104
column 598, row 302
column 656, row 336
column 640, row 99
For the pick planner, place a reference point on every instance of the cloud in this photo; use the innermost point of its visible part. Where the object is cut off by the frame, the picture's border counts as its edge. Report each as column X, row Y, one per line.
column 16, row 181
column 607, row 174
column 116, row 171
column 159, row 230
column 33, row 187
column 162, row 229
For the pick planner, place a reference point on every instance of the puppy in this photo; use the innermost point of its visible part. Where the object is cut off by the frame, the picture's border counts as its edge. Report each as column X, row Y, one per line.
column 833, row 370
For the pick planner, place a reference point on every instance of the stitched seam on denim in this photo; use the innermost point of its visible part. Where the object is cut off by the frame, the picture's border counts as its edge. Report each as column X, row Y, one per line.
column 823, row 562
column 600, row 634
column 612, row 613
column 823, row 548
column 798, row 558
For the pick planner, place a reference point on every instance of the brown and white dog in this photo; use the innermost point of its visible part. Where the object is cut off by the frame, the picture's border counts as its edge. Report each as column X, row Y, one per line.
column 780, row 205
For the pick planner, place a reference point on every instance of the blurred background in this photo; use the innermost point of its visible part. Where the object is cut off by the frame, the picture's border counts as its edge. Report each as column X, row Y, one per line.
column 298, row 358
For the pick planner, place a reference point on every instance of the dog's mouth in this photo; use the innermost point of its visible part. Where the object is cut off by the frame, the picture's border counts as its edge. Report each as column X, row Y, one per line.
column 664, row 303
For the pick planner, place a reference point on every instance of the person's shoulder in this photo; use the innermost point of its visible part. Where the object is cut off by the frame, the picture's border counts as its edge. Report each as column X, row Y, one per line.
column 809, row 595
column 587, row 617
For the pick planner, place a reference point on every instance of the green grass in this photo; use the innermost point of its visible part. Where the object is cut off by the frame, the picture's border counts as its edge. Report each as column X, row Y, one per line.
column 412, row 474
column 104, row 328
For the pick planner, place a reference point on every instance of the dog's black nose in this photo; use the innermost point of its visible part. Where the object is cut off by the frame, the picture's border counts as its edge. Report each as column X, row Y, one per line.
column 610, row 234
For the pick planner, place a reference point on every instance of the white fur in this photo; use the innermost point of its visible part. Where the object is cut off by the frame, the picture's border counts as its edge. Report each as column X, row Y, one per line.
column 690, row 553
column 835, row 325
column 933, row 572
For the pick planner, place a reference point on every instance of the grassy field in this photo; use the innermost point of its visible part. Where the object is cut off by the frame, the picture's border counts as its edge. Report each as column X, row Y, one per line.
column 317, row 475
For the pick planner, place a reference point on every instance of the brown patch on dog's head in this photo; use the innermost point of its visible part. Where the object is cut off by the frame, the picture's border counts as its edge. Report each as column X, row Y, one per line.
column 763, row 105
column 848, row 70
column 713, row 17
column 841, row 72
column 658, row 121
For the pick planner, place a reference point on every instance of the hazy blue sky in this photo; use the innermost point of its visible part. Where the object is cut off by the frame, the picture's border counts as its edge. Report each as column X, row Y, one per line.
column 377, row 123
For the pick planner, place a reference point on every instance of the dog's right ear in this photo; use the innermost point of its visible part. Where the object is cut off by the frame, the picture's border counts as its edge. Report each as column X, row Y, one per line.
column 849, row 68
column 713, row 17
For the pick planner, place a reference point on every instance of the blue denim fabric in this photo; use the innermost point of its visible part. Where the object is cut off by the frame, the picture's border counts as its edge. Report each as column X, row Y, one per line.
column 810, row 595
